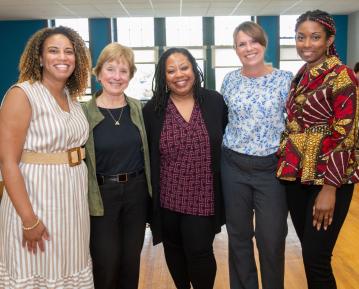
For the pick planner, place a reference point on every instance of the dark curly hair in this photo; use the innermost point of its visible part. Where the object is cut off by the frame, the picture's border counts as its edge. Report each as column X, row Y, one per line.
column 159, row 86
column 30, row 69
column 325, row 20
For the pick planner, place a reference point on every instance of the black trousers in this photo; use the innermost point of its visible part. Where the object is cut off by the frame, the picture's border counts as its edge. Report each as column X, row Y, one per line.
column 117, row 237
column 251, row 188
column 187, row 242
column 317, row 246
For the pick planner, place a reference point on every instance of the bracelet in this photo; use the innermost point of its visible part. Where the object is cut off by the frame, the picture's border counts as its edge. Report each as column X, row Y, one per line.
column 33, row 226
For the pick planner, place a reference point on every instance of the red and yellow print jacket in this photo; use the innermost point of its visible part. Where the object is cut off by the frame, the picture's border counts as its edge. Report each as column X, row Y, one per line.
column 319, row 143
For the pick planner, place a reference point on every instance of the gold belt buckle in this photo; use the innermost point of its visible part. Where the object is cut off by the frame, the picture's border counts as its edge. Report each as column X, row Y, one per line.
column 69, row 154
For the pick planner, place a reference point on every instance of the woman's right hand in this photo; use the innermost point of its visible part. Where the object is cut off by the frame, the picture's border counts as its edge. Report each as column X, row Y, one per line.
column 35, row 237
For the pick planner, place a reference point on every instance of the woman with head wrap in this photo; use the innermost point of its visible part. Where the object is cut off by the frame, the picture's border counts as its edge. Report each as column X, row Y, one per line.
column 317, row 151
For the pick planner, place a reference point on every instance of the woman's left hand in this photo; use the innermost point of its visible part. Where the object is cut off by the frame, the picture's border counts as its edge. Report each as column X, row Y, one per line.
column 323, row 209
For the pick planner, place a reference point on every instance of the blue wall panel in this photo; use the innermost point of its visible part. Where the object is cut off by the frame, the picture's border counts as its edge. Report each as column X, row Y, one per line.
column 341, row 37
column 270, row 24
column 100, row 36
column 14, row 35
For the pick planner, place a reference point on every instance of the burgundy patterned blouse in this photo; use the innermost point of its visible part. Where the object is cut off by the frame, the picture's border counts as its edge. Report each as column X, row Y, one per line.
column 186, row 180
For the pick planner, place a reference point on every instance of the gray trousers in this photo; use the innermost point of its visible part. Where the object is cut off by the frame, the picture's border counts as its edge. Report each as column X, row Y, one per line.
column 251, row 188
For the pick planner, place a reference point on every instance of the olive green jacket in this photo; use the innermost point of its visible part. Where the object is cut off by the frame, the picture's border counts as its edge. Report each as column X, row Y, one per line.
column 94, row 117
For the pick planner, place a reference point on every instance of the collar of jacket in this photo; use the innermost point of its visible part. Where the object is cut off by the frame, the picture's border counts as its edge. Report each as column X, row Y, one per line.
column 95, row 115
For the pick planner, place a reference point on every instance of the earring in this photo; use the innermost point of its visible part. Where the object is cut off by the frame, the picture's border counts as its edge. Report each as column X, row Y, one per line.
column 167, row 90
column 41, row 64
column 328, row 49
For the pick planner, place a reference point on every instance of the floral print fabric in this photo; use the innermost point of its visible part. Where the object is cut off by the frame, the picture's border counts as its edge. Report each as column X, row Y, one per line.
column 256, row 109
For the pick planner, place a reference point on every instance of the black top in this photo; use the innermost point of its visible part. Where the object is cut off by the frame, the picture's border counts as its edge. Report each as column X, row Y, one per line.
column 117, row 147
column 214, row 113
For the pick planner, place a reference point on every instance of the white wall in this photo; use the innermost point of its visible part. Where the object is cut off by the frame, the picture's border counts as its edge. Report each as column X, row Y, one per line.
column 353, row 39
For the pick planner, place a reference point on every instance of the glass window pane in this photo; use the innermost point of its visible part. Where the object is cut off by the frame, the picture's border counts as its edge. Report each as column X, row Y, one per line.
column 80, row 25
column 225, row 57
column 140, row 86
column 289, row 59
column 136, row 31
column 292, row 66
column 197, row 53
column 286, row 28
column 287, row 25
column 200, row 64
column 224, row 27
column 145, row 55
column 287, row 41
column 184, row 31
column 289, row 53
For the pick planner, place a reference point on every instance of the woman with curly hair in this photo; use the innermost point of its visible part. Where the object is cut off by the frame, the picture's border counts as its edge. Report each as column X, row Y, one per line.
column 184, row 124
column 317, row 151
column 44, row 215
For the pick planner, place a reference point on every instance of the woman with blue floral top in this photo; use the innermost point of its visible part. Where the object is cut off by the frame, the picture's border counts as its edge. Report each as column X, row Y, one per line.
column 255, row 95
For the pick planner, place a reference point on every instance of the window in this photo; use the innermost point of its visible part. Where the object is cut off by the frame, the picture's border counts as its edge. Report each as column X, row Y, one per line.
column 184, row 31
column 81, row 26
column 289, row 59
column 138, row 33
column 224, row 56
column 287, row 27
column 140, row 86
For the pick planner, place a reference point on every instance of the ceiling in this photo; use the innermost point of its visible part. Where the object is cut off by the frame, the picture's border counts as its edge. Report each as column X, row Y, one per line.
column 51, row 9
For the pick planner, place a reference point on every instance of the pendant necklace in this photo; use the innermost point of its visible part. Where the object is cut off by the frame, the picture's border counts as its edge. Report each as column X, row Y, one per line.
column 117, row 122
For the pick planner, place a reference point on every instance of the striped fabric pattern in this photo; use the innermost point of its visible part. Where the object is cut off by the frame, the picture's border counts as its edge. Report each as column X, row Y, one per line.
column 58, row 194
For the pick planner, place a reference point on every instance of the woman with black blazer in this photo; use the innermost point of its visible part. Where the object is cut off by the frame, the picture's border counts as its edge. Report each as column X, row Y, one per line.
column 185, row 124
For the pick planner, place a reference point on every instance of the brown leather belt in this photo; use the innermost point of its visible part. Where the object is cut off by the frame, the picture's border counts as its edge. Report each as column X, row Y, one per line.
column 72, row 157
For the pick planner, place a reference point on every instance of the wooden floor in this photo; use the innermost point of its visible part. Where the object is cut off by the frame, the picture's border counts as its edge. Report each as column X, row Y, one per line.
column 154, row 273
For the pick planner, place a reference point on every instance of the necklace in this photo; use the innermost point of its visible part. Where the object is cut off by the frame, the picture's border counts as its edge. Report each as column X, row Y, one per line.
column 117, row 122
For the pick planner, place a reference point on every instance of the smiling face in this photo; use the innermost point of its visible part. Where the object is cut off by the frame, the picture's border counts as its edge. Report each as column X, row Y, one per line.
column 249, row 50
column 115, row 77
column 179, row 75
column 57, row 58
column 312, row 42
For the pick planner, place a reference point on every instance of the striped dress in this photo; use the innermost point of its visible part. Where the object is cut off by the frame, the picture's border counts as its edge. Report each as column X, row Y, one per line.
column 58, row 194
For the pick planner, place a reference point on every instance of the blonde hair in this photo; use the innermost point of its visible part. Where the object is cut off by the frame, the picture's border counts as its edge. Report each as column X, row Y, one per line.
column 31, row 70
column 253, row 30
column 115, row 51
